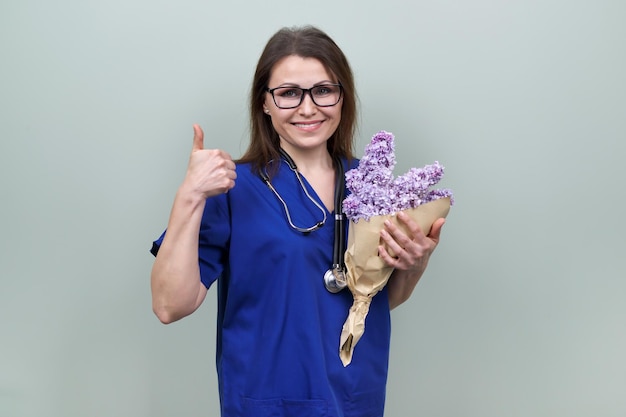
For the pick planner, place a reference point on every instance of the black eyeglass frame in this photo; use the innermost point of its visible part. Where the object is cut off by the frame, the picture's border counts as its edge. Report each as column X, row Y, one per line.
column 304, row 92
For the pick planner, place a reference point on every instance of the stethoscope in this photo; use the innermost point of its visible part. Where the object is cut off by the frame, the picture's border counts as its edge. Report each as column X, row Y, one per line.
column 335, row 277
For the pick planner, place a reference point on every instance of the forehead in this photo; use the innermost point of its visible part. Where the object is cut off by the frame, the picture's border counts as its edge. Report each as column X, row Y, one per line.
column 299, row 71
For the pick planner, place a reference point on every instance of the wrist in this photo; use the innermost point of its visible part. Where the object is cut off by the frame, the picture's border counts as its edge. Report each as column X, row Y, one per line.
column 189, row 195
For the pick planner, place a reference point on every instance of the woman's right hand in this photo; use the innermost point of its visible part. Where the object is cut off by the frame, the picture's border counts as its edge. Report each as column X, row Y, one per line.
column 177, row 290
column 210, row 171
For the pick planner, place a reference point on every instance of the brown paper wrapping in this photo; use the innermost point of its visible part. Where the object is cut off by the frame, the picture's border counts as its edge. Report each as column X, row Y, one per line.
column 367, row 273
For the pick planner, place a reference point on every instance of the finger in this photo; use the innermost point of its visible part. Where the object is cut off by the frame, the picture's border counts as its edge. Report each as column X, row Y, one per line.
column 224, row 160
column 228, row 160
column 198, row 138
column 406, row 236
column 384, row 255
column 393, row 246
column 414, row 229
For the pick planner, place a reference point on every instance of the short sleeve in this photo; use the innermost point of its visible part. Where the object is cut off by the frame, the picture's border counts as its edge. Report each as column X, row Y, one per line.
column 213, row 239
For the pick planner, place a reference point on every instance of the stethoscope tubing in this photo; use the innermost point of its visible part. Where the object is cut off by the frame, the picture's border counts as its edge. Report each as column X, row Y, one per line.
column 339, row 241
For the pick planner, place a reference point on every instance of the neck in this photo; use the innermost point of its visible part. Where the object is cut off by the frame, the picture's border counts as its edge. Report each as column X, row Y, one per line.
column 309, row 160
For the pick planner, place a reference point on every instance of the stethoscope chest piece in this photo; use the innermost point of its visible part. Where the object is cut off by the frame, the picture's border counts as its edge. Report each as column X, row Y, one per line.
column 335, row 280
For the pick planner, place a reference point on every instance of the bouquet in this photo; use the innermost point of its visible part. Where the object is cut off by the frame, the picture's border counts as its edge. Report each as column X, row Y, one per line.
column 375, row 197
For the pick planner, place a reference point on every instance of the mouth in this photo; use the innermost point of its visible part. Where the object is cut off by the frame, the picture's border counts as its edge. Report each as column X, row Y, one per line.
column 308, row 125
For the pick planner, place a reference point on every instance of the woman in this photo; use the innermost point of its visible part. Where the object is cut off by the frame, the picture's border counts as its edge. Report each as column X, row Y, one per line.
column 263, row 228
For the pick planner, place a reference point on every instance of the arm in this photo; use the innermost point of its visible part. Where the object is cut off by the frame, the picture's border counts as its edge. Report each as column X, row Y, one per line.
column 175, row 280
column 413, row 251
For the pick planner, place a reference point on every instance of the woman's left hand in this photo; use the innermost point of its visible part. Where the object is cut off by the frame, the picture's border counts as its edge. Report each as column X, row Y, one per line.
column 412, row 249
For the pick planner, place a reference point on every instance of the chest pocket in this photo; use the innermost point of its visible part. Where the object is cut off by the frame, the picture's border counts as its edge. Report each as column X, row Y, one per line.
column 280, row 407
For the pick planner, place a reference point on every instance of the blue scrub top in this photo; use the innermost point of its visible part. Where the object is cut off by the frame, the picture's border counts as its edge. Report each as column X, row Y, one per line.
column 278, row 327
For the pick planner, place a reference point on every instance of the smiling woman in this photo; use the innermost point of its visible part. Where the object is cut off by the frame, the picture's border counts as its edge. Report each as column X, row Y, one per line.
column 240, row 223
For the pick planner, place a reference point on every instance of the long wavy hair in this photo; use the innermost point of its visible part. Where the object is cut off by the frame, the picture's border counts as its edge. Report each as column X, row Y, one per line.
column 305, row 42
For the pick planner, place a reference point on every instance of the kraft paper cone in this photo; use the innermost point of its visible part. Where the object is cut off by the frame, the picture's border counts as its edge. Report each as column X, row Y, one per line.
column 367, row 273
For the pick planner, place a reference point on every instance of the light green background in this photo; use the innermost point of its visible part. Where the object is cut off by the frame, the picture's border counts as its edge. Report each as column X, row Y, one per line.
column 523, row 309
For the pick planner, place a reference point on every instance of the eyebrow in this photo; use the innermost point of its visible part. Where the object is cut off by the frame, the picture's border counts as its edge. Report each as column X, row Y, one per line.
column 288, row 84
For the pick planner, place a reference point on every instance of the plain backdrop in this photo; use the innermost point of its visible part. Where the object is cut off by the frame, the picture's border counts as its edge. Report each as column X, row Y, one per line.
column 522, row 311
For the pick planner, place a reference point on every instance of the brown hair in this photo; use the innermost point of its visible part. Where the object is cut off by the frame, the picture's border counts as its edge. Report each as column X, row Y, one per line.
column 306, row 42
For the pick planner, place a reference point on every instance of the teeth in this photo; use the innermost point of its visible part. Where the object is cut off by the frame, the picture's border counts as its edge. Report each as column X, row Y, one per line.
column 306, row 124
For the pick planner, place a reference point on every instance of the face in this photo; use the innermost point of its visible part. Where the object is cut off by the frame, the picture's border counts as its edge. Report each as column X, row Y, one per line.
column 307, row 126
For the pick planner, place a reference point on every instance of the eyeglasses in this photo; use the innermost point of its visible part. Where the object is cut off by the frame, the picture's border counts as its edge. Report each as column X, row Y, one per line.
column 325, row 95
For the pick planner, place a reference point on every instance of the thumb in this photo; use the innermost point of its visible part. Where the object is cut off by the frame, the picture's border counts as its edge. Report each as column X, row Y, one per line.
column 435, row 231
column 198, row 138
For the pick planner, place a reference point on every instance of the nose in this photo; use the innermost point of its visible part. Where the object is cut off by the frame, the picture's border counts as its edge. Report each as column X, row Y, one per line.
column 307, row 106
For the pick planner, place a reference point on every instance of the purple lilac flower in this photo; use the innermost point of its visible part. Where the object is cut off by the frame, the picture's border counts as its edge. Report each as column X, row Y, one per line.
column 374, row 190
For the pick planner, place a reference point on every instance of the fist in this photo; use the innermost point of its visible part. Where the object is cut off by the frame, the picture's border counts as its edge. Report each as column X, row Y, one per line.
column 210, row 171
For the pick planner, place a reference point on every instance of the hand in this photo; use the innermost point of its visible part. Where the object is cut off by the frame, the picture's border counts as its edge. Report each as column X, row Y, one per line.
column 210, row 171
column 412, row 249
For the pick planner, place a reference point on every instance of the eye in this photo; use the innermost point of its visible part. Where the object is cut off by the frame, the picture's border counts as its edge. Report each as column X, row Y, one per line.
column 324, row 90
column 288, row 92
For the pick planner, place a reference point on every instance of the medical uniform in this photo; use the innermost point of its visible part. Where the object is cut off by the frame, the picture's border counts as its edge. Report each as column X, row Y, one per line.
column 278, row 327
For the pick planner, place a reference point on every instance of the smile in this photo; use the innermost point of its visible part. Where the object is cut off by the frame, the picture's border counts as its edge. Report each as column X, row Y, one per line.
column 307, row 125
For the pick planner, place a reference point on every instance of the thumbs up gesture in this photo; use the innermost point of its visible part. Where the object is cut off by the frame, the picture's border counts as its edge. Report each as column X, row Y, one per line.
column 210, row 171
